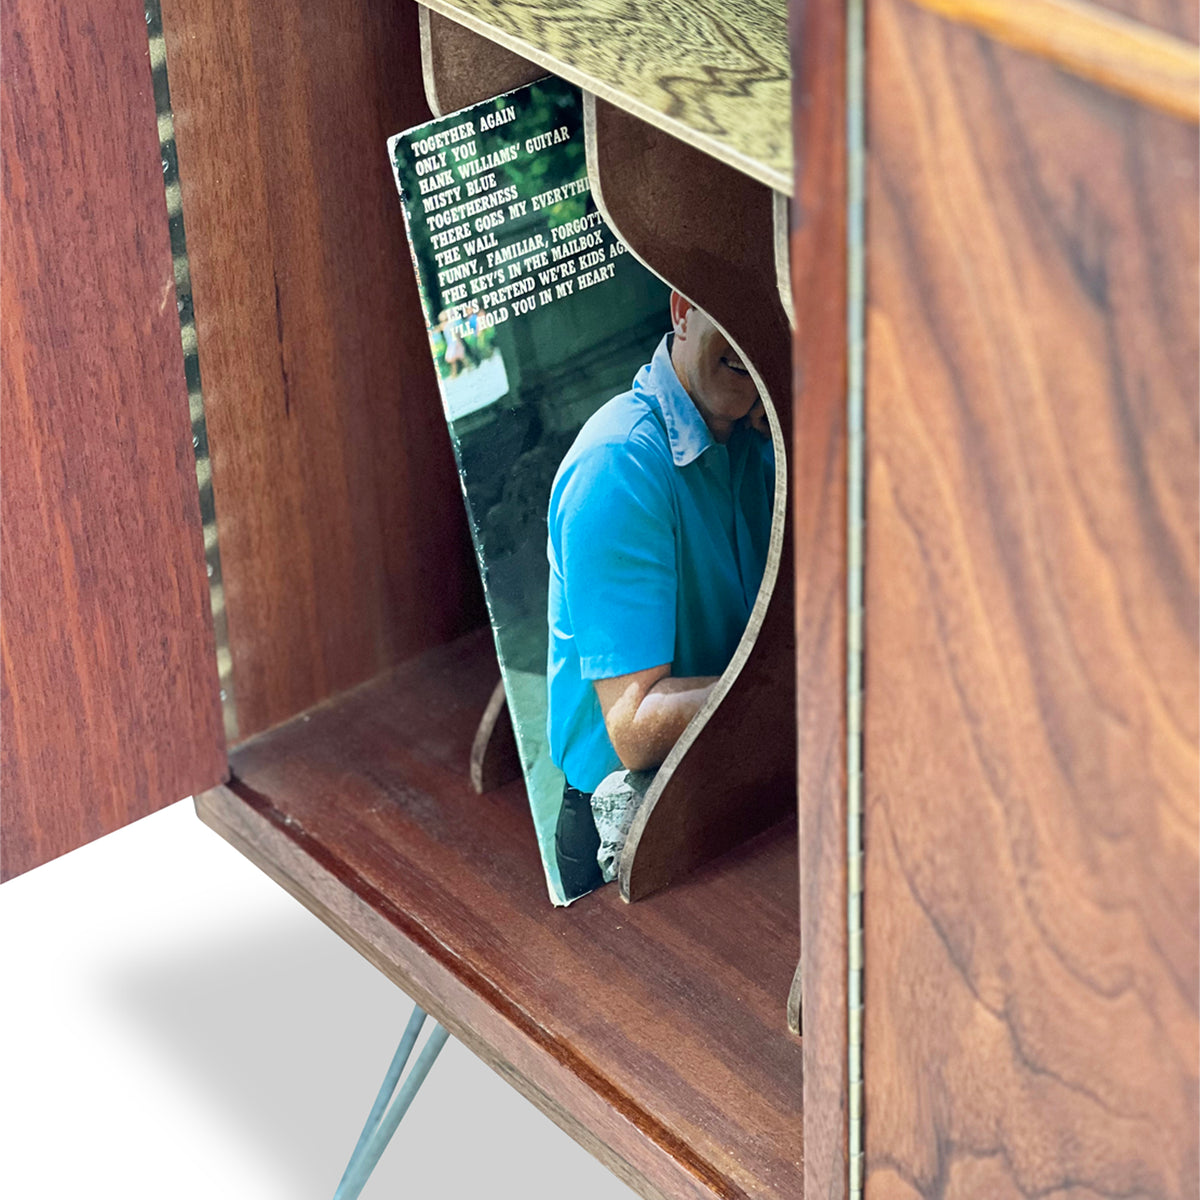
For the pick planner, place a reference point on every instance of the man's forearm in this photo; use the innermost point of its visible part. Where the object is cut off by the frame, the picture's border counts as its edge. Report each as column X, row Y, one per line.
column 645, row 722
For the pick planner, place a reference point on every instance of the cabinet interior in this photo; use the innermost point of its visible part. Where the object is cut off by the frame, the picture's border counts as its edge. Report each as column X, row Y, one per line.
column 654, row 1032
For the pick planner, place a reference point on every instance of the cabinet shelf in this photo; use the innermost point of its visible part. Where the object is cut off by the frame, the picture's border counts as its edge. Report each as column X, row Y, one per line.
column 716, row 76
column 653, row 1033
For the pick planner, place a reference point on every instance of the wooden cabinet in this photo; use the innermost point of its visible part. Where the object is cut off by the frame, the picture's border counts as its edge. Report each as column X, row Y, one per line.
column 350, row 628
column 982, row 630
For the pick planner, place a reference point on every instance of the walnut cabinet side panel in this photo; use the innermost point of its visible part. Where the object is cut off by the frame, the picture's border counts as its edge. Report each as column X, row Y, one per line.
column 1031, row 706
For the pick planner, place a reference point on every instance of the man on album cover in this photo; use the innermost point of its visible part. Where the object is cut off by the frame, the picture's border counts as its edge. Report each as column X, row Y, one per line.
column 659, row 522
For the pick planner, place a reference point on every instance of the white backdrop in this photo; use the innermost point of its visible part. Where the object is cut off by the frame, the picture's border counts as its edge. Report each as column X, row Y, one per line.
column 174, row 1026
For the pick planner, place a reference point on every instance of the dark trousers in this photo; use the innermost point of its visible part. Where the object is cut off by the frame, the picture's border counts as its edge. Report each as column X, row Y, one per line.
column 576, row 842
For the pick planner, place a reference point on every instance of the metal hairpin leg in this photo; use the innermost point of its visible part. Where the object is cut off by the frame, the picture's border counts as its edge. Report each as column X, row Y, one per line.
column 381, row 1124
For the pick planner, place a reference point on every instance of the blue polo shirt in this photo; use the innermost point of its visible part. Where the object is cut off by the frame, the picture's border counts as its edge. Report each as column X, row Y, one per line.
column 658, row 540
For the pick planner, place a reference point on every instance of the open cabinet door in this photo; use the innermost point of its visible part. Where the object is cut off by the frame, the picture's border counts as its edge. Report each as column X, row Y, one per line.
column 110, row 703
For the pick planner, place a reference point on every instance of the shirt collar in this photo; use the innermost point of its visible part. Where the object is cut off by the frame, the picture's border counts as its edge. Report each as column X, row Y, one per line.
column 687, row 433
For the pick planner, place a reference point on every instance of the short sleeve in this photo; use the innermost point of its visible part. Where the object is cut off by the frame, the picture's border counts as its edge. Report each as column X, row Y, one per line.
column 612, row 521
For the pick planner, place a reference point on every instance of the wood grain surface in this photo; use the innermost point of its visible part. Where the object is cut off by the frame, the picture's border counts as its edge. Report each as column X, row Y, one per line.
column 1180, row 17
column 344, row 544
column 819, row 523
column 109, row 701
column 1138, row 60
column 708, row 230
column 714, row 75
column 462, row 68
column 1032, row 714
column 652, row 1034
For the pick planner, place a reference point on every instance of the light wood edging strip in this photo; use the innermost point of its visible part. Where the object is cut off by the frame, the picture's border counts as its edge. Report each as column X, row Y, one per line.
column 1113, row 51
column 428, row 74
column 733, row 107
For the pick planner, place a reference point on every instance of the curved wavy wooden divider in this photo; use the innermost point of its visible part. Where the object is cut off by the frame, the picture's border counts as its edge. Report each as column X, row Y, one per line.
column 710, row 231
column 461, row 68
column 495, row 759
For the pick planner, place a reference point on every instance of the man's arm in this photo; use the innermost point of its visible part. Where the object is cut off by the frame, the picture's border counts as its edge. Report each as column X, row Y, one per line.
column 645, row 712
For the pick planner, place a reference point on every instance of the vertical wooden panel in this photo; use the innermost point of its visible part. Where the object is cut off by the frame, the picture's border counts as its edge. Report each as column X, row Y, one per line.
column 110, row 703
column 343, row 539
column 1032, row 720
column 818, row 251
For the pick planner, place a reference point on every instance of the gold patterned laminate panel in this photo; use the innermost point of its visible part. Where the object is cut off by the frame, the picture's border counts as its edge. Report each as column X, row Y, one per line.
column 716, row 75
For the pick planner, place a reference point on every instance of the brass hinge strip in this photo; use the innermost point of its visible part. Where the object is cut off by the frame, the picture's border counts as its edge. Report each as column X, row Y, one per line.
column 191, row 360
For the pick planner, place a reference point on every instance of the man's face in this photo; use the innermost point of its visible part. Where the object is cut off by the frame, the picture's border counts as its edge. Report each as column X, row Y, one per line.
column 709, row 368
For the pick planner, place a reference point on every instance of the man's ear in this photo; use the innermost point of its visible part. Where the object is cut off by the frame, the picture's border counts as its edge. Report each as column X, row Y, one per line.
column 680, row 308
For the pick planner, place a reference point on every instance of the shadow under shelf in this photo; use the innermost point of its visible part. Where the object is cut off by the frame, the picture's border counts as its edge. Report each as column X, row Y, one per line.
column 654, row 1033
